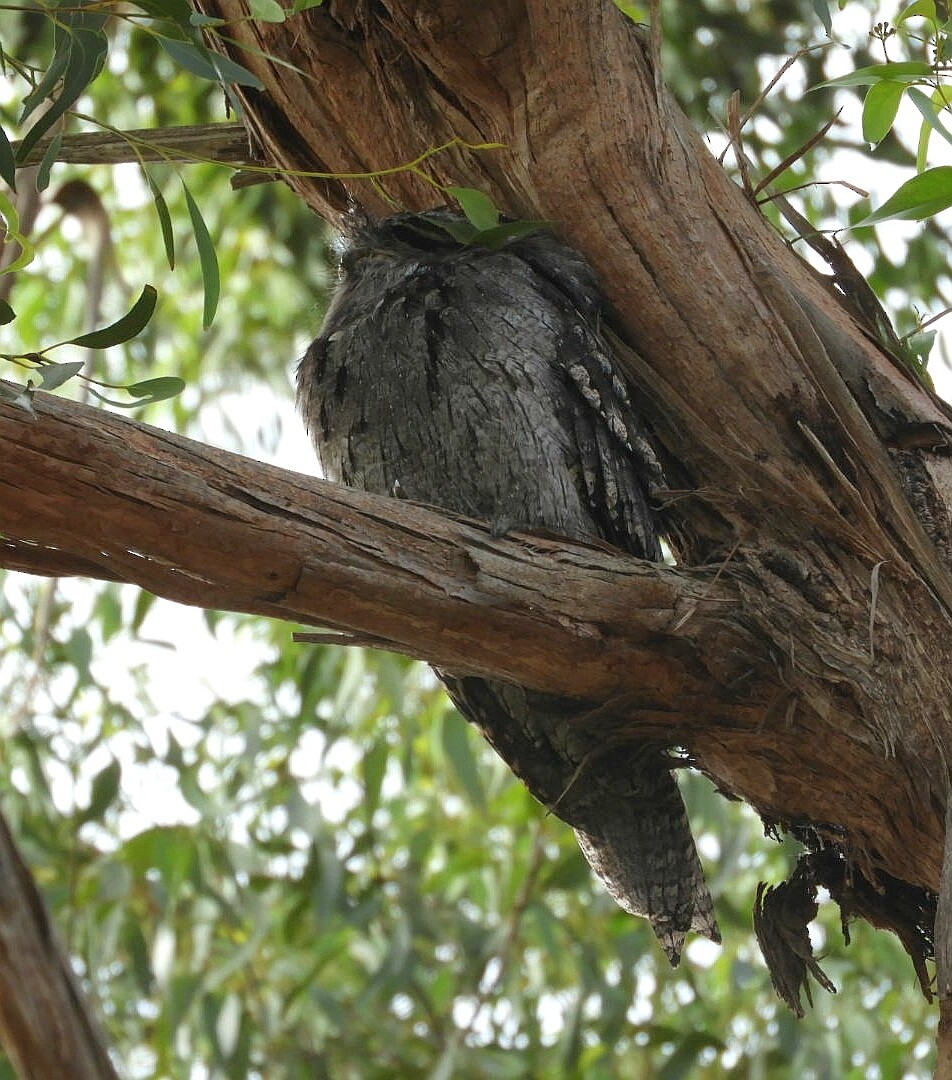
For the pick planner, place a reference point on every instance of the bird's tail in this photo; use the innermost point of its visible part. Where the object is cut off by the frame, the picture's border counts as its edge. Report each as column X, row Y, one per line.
column 640, row 844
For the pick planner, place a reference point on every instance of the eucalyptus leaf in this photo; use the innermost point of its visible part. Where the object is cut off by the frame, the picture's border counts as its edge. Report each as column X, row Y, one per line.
column 879, row 109
column 124, row 329
column 509, row 230
column 207, row 259
column 196, row 18
column 8, row 165
column 52, row 76
column 822, row 10
column 85, row 56
column 373, row 765
column 478, row 207
column 157, row 389
column 54, row 375
column 208, row 65
column 923, row 8
column 178, row 12
column 921, row 197
column 458, row 747
column 105, row 788
column 46, row 163
column 908, row 72
column 21, row 397
column 8, row 212
column 930, row 112
column 165, row 219
column 267, row 11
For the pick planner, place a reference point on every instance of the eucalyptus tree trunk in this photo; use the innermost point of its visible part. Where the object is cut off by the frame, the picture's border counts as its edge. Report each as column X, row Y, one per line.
column 801, row 650
column 810, row 488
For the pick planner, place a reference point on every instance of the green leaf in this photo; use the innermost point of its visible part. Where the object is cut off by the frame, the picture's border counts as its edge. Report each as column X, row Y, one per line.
column 7, row 314
column 158, row 389
column 510, row 230
column 165, row 220
column 196, row 18
column 569, row 872
column 145, row 601
column 8, row 165
column 921, row 197
column 879, row 110
column 107, row 613
column 373, row 765
column 54, row 375
column 633, row 11
column 459, row 752
column 46, row 163
column 479, row 209
column 907, row 72
column 168, row 849
column 79, row 652
column 304, row 5
column 9, row 214
column 462, row 231
column 176, row 11
column 821, row 9
column 930, row 108
column 208, row 65
column 267, row 11
column 54, row 73
column 85, row 56
column 207, row 259
column 923, row 8
column 132, row 323
column 146, row 392
column 105, row 788
column 920, row 344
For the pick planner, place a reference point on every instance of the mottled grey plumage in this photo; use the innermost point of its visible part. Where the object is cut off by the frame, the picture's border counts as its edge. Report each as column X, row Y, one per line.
column 477, row 380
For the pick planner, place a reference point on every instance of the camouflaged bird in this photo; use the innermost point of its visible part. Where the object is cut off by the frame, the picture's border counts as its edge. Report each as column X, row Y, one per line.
column 477, row 380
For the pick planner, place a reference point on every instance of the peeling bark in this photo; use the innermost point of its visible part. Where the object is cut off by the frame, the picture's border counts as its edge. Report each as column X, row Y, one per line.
column 802, row 652
column 773, row 406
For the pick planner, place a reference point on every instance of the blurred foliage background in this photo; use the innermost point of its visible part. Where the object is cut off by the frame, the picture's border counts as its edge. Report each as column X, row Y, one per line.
column 273, row 860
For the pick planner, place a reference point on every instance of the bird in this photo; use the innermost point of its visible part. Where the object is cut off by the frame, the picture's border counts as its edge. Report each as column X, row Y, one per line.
column 475, row 377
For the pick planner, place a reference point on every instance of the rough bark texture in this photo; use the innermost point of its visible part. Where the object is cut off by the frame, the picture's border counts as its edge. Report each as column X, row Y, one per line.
column 101, row 496
column 812, row 676
column 773, row 407
column 45, row 1027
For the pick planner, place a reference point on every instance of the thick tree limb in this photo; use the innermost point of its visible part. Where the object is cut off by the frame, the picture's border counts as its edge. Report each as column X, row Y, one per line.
column 806, row 661
column 778, row 414
column 678, row 653
column 209, row 528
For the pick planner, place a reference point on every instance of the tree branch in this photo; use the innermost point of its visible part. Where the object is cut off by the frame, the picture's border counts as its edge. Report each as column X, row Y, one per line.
column 681, row 654
column 45, row 1024
column 779, row 417
column 205, row 527
column 227, row 144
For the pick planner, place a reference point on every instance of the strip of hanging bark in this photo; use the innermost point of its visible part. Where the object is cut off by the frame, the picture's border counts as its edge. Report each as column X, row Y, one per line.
column 782, row 914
